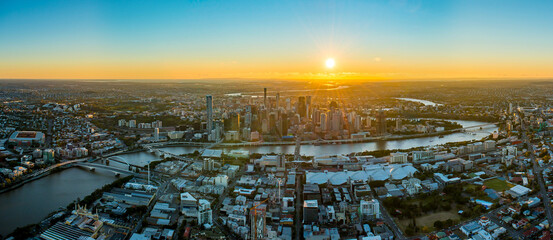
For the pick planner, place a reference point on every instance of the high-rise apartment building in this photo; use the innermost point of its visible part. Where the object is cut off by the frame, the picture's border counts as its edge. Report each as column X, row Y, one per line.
column 209, row 109
column 156, row 134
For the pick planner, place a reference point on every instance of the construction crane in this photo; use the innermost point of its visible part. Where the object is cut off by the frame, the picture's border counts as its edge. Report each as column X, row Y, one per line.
column 279, row 182
column 254, row 208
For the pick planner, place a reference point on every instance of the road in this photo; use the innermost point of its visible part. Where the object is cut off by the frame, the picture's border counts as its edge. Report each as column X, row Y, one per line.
column 217, row 207
column 390, row 221
column 298, row 223
column 113, row 169
column 538, row 172
column 52, row 167
column 160, row 191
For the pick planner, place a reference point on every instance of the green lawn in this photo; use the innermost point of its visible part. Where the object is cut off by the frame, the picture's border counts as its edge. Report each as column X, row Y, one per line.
column 429, row 219
column 498, row 185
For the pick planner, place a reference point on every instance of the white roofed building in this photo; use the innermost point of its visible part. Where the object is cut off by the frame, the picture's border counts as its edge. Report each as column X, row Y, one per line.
column 518, row 191
column 379, row 172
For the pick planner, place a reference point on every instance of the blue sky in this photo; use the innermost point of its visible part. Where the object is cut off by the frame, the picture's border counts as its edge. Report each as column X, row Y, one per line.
column 183, row 39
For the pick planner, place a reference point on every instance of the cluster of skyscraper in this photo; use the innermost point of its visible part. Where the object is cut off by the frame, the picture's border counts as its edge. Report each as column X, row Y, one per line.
column 270, row 120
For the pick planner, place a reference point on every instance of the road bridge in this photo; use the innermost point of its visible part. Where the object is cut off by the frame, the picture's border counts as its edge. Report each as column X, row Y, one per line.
column 480, row 125
column 123, row 161
column 110, row 168
column 166, row 153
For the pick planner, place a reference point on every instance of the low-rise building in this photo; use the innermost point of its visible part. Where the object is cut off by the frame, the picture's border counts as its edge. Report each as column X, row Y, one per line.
column 369, row 209
column 398, row 157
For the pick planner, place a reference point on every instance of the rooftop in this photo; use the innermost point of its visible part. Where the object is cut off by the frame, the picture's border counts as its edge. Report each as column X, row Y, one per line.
column 212, row 153
column 310, row 204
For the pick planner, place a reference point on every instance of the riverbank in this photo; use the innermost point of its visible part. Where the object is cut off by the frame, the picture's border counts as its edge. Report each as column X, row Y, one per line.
column 35, row 200
column 56, row 170
column 33, row 229
column 322, row 142
column 56, row 190
column 39, row 176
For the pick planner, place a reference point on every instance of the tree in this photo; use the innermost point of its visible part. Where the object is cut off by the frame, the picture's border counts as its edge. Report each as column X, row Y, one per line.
column 438, row 225
column 425, row 229
column 524, row 207
column 409, row 231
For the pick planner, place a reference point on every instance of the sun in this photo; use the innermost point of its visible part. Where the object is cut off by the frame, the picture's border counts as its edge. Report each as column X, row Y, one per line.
column 330, row 63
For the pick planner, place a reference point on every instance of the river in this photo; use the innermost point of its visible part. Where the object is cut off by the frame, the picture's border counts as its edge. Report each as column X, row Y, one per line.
column 142, row 158
column 32, row 202
column 333, row 149
column 425, row 102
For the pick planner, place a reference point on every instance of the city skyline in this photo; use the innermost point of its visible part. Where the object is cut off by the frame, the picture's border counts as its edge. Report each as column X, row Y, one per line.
column 276, row 120
column 222, row 160
column 384, row 40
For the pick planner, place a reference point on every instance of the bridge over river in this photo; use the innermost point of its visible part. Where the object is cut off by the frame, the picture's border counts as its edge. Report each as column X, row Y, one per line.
column 117, row 171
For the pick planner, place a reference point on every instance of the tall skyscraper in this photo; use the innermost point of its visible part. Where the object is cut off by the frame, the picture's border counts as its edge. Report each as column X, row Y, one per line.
column 316, row 115
column 302, row 108
column 272, row 121
column 357, row 123
column 209, row 102
column 381, row 123
column 284, row 124
column 308, row 107
column 336, row 122
column 265, row 97
column 323, row 122
column 277, row 101
column 288, row 104
column 235, row 121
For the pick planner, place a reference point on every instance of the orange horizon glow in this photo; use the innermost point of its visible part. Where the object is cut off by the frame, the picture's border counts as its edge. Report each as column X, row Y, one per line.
column 347, row 70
